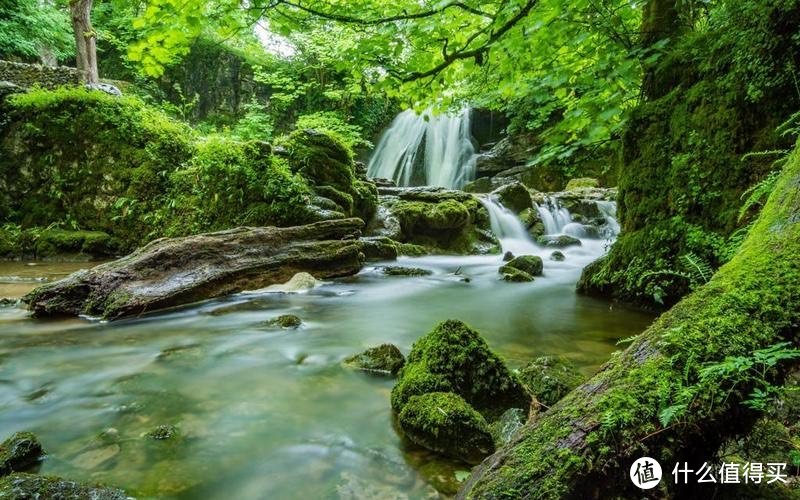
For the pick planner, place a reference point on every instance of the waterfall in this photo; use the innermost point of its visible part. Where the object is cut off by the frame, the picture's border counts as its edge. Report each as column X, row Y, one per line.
column 508, row 228
column 609, row 211
column 448, row 158
column 554, row 217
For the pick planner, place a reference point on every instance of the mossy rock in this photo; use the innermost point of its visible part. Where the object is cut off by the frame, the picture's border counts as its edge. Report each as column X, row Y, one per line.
column 550, row 378
column 445, row 423
column 55, row 242
column 163, row 432
column 405, row 271
column 557, row 256
column 480, row 185
column 455, row 358
column 286, row 321
column 515, row 275
column 29, row 486
column 582, row 182
column 530, row 264
column 19, row 452
column 558, row 241
column 418, row 216
column 514, row 196
column 383, row 359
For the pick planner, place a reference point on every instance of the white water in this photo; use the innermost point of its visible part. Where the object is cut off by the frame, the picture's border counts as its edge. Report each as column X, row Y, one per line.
column 448, row 158
column 515, row 238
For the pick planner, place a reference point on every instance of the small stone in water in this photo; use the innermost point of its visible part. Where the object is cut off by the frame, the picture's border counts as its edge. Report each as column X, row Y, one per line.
column 404, row 271
column 557, row 256
column 385, row 358
column 163, row 432
column 507, row 256
column 285, row 321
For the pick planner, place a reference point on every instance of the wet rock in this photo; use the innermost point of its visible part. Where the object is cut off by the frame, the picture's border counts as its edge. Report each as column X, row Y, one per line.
column 19, row 452
column 558, row 241
column 582, row 182
column 385, row 224
column 550, row 378
column 287, row 321
column 445, row 423
column 383, row 359
column 508, row 256
column 28, row 486
column 174, row 271
column 507, row 425
column 530, row 264
column 426, row 194
column 381, row 183
column 8, row 302
column 481, row 185
column 405, row 271
column 557, row 256
column 513, row 196
column 455, row 358
column 162, row 432
column 378, row 248
column 532, row 221
column 300, row 282
column 516, row 276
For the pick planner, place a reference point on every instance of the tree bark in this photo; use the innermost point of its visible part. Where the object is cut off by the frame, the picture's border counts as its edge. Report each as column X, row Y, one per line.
column 584, row 445
column 85, row 44
column 174, row 271
column 660, row 20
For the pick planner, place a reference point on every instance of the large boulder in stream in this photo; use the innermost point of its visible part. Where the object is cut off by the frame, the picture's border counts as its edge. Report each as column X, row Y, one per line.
column 173, row 271
column 514, row 196
column 455, row 358
column 445, row 423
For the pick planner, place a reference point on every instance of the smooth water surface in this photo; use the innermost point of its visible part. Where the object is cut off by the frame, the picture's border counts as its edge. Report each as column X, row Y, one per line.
column 270, row 413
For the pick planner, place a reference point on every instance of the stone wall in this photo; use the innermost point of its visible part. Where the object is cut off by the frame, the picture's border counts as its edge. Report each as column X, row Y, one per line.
column 26, row 75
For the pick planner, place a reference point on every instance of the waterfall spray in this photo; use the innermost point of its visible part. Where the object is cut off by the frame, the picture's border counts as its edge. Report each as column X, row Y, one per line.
column 448, row 158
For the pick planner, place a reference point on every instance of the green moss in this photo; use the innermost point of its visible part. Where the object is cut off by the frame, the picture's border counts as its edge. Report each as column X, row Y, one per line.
column 445, row 423
column 530, row 264
column 683, row 172
column 19, row 452
column 31, row 486
column 454, row 358
column 549, row 378
column 162, row 432
column 87, row 157
column 513, row 275
column 582, row 182
column 385, row 358
column 288, row 321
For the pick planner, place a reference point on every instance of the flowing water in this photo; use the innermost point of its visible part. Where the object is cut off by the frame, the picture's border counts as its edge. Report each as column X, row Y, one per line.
column 266, row 413
column 426, row 149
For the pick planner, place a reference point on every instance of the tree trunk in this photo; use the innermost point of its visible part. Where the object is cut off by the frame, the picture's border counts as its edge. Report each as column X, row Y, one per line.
column 584, row 446
column 85, row 46
column 660, row 21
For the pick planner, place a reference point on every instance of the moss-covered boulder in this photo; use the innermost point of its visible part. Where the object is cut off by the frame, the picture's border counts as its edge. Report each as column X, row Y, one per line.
column 439, row 220
column 532, row 221
column 455, row 358
column 327, row 164
column 558, row 241
column 88, row 157
column 384, row 359
column 445, row 423
column 557, row 256
column 28, row 486
column 550, row 378
column 514, row 196
column 530, row 264
column 19, row 452
column 513, row 275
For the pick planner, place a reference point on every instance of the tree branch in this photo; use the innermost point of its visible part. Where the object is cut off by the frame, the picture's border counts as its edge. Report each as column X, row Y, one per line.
column 383, row 20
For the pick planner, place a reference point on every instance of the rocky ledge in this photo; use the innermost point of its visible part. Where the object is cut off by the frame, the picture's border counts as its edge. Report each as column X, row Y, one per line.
column 170, row 272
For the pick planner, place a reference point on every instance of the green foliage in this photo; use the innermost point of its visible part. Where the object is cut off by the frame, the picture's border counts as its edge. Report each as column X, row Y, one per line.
column 30, row 27
column 333, row 122
column 230, row 183
column 256, row 124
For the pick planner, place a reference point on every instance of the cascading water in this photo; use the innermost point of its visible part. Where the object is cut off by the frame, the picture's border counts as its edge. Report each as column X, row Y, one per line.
column 508, row 228
column 554, row 217
column 449, row 154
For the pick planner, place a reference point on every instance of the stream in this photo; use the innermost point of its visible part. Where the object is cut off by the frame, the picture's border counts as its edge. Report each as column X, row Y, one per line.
column 266, row 413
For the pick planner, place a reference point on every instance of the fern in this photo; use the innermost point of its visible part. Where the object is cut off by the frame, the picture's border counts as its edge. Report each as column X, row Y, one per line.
column 699, row 270
column 756, row 195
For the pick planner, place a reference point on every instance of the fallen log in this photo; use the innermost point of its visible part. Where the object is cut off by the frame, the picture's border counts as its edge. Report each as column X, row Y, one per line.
column 668, row 395
column 173, row 271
